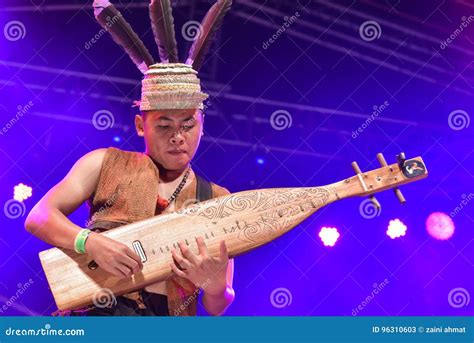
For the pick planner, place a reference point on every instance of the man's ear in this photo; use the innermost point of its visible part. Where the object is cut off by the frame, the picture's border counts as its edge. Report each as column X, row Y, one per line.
column 139, row 125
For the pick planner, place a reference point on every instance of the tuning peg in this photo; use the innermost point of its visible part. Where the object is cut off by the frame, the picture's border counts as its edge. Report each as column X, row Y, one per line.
column 381, row 159
column 356, row 167
column 399, row 195
column 375, row 201
column 401, row 159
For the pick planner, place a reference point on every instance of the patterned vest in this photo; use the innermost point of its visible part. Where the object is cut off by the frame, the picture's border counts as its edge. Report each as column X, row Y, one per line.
column 126, row 192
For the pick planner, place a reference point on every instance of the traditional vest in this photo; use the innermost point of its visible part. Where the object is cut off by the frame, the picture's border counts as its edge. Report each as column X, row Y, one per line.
column 126, row 192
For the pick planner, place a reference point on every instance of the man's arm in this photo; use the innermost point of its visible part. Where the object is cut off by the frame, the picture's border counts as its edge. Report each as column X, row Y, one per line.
column 217, row 303
column 214, row 275
column 48, row 219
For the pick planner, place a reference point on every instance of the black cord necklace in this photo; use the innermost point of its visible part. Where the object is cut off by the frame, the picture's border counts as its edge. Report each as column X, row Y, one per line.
column 162, row 204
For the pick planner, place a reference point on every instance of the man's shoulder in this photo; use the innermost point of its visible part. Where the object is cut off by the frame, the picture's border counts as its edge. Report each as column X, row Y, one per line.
column 218, row 191
column 116, row 151
column 116, row 154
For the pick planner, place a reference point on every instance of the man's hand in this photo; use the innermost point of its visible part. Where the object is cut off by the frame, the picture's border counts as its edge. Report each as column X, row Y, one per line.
column 206, row 272
column 113, row 256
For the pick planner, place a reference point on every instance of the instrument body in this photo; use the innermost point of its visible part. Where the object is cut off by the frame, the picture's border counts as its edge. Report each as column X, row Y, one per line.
column 245, row 220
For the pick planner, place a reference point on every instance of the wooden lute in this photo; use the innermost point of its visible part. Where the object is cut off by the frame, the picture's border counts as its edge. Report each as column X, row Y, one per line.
column 245, row 220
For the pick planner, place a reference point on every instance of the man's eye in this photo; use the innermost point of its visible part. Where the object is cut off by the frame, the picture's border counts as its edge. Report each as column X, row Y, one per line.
column 163, row 126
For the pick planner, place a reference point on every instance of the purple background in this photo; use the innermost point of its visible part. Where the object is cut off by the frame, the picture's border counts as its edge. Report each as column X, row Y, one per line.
column 328, row 77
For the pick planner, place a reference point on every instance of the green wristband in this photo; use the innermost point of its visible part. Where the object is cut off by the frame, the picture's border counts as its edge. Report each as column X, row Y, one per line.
column 80, row 241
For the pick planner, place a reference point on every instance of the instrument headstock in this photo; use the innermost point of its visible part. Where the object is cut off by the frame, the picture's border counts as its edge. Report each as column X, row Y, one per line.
column 390, row 176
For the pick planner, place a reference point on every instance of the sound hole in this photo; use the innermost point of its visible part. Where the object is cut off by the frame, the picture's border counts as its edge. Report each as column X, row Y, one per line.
column 92, row 265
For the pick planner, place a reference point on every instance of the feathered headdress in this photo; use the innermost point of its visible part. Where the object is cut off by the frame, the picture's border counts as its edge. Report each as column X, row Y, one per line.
column 168, row 84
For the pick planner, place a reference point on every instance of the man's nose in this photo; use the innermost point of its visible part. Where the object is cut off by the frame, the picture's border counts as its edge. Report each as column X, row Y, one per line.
column 177, row 138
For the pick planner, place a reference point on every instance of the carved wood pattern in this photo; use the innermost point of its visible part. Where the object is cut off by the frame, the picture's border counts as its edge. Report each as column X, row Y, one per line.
column 279, row 210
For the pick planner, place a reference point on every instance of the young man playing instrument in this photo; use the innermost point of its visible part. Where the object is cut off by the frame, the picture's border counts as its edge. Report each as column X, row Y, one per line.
column 122, row 187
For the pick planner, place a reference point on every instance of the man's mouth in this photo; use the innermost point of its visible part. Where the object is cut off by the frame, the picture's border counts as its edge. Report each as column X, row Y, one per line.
column 177, row 152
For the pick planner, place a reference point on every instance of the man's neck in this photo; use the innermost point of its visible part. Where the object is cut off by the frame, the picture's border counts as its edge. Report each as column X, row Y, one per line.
column 167, row 176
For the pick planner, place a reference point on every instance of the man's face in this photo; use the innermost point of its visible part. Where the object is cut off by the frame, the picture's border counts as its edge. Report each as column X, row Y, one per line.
column 171, row 136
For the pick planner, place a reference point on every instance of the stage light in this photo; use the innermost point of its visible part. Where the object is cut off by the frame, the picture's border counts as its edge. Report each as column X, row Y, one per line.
column 116, row 139
column 440, row 226
column 21, row 192
column 329, row 236
column 260, row 161
column 396, row 229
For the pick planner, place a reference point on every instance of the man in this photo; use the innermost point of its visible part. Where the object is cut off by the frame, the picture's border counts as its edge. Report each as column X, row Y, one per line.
column 122, row 187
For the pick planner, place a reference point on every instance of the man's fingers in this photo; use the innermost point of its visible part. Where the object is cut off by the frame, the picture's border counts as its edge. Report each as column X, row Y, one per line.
column 180, row 261
column 118, row 273
column 124, row 270
column 175, row 270
column 201, row 246
column 224, row 255
column 188, row 253
column 130, row 263
column 133, row 255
